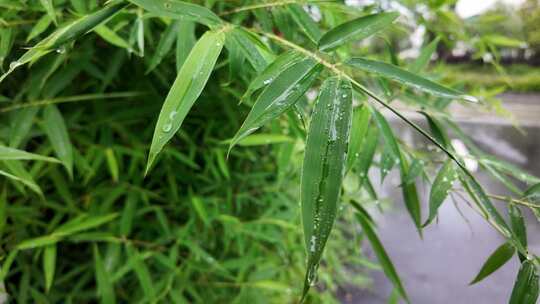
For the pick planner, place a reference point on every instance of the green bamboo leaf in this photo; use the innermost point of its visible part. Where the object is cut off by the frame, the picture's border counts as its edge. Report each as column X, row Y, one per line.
column 112, row 163
column 425, row 56
column 112, row 37
column 360, row 124
column 55, row 128
column 437, row 130
column 410, row 194
column 526, row 287
column 278, row 66
column 41, row 26
column 185, row 90
column 104, row 285
column 279, row 96
column 263, row 139
column 185, row 40
column 255, row 51
column 49, row 8
column 441, row 187
column 382, row 256
column 517, row 222
column 49, row 265
column 175, row 9
column 81, row 223
column 323, row 168
column 533, row 193
column 7, row 36
column 496, row 260
column 305, row 22
column 391, row 154
column 165, row 44
column 365, row 159
column 22, row 123
column 18, row 173
column 357, row 29
column 7, row 153
column 63, row 35
column 407, row 78
column 142, row 272
column 479, row 196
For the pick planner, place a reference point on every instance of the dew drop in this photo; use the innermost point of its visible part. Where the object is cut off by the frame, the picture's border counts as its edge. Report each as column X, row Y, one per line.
column 470, row 98
column 167, row 5
column 14, row 65
column 167, row 127
column 267, row 81
column 172, row 115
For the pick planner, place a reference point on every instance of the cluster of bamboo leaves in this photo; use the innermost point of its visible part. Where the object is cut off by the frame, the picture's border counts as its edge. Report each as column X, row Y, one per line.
column 269, row 57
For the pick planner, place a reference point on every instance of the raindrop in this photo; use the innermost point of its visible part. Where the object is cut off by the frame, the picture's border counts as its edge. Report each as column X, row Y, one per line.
column 172, row 115
column 267, row 81
column 14, row 65
column 167, row 127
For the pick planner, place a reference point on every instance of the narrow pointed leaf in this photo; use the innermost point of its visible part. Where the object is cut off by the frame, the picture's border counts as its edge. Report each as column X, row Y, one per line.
column 176, row 9
column 252, row 48
column 49, row 8
column 22, row 123
column 517, row 222
column 496, row 260
column 104, row 285
column 279, row 96
column 356, row 29
column 165, row 44
column 441, row 187
column 360, row 124
column 437, row 130
column 323, row 168
column 425, row 56
column 63, row 35
column 305, row 22
column 268, row 75
column 382, row 256
column 56, row 131
column 410, row 194
column 526, row 287
column 407, row 78
column 185, row 90
column 18, row 173
column 49, row 265
column 7, row 153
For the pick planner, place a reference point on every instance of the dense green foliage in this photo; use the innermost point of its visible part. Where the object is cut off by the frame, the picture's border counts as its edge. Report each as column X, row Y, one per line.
column 131, row 173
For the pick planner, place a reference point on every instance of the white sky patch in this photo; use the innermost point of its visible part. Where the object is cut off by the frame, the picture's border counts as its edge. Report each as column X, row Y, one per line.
column 469, row 8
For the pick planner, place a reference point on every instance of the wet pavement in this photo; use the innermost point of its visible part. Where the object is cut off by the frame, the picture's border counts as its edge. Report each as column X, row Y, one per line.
column 437, row 269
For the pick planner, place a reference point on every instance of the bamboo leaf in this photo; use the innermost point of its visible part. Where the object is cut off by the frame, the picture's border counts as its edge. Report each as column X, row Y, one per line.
column 382, row 256
column 18, row 173
column 255, row 51
column 56, row 130
column 165, row 44
column 187, row 87
column 279, row 96
column 175, row 9
column 104, row 285
column 360, row 124
column 323, row 168
column 357, row 29
column 407, row 78
column 425, row 56
column 517, row 222
column 526, row 287
column 185, row 40
column 305, row 22
column 63, row 35
column 278, row 66
column 441, row 187
column 410, row 194
column 49, row 7
column 7, row 153
column 495, row 261
column 41, row 26
column 437, row 130
column 49, row 265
